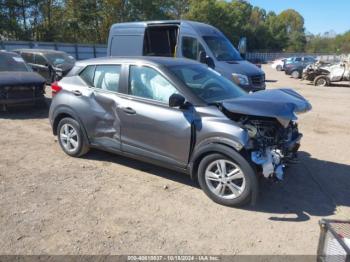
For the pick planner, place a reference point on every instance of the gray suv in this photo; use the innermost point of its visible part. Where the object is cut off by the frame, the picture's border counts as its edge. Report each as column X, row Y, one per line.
column 182, row 115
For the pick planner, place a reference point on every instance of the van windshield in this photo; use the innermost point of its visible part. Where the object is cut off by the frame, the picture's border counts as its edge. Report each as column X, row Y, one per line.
column 222, row 48
column 206, row 83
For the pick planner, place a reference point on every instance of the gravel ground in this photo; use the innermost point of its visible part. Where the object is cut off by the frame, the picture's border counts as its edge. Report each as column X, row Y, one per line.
column 106, row 204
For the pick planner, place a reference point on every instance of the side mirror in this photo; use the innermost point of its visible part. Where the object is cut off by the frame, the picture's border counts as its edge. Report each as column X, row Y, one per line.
column 210, row 62
column 176, row 100
column 242, row 46
column 204, row 59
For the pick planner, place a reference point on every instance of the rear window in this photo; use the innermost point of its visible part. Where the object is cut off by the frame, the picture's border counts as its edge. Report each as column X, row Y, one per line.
column 106, row 77
column 28, row 57
column 12, row 62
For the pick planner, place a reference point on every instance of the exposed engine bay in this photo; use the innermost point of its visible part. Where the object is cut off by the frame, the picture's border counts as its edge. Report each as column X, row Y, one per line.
column 269, row 118
column 272, row 145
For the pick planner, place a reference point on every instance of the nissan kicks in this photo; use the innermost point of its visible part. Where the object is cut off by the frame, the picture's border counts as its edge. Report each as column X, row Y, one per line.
column 182, row 115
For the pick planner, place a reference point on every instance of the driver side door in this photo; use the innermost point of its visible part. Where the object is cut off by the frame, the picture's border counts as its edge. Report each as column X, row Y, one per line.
column 149, row 127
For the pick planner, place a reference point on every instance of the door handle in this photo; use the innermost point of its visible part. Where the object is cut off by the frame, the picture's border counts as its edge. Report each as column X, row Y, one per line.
column 77, row 92
column 129, row 110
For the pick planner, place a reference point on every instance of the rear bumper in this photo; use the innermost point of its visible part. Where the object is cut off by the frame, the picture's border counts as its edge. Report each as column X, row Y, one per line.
column 14, row 101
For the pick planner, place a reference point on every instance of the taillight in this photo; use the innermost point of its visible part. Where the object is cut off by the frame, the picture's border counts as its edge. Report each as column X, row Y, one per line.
column 55, row 88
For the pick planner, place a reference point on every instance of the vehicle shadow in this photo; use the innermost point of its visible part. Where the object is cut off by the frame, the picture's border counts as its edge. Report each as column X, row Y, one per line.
column 340, row 84
column 343, row 84
column 271, row 81
column 151, row 169
column 27, row 111
column 311, row 187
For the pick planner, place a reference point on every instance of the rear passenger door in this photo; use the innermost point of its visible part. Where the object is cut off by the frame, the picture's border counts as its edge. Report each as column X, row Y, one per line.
column 102, row 100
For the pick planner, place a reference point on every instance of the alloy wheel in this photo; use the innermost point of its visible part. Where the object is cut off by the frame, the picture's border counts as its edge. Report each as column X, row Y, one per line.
column 321, row 82
column 69, row 137
column 225, row 179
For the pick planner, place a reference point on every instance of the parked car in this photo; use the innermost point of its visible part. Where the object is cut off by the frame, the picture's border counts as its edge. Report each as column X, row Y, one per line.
column 323, row 74
column 186, row 39
column 278, row 64
column 182, row 115
column 18, row 84
column 295, row 66
column 51, row 64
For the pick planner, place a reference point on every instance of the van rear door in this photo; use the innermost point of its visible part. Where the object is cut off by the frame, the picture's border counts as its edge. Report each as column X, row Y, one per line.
column 161, row 39
column 126, row 41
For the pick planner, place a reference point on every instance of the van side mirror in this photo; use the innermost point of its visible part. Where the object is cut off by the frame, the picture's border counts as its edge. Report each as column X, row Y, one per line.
column 176, row 100
column 204, row 59
column 242, row 47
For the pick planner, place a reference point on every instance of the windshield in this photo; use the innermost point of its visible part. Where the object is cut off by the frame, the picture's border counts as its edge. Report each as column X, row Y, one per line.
column 207, row 83
column 222, row 48
column 12, row 62
column 60, row 58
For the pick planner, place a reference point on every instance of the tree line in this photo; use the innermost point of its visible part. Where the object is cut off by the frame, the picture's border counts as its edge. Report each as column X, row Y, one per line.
column 88, row 21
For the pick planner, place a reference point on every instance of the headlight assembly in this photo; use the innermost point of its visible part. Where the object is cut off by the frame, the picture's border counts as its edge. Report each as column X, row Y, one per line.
column 240, row 79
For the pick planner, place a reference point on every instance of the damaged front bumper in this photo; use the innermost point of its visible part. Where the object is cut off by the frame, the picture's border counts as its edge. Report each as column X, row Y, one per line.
column 273, row 160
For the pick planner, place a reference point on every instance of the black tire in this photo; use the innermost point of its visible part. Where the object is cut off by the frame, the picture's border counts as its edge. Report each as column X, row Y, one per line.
column 321, row 81
column 244, row 166
column 279, row 68
column 295, row 74
column 82, row 146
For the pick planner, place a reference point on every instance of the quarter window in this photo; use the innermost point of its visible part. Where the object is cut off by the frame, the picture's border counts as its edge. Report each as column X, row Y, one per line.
column 148, row 83
column 191, row 47
column 88, row 75
column 107, row 77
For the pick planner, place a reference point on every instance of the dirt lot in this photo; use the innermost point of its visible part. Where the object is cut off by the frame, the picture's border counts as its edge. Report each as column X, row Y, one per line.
column 105, row 204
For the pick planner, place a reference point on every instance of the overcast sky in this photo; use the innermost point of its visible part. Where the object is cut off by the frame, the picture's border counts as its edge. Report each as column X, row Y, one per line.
column 319, row 15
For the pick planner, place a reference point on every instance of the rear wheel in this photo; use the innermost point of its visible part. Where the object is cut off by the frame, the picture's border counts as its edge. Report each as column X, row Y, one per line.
column 71, row 138
column 226, row 180
column 321, row 81
column 279, row 68
column 295, row 74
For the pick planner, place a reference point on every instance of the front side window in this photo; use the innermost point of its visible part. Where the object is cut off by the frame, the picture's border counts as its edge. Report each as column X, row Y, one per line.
column 191, row 47
column 60, row 58
column 40, row 60
column 222, row 48
column 148, row 83
column 206, row 83
column 107, row 77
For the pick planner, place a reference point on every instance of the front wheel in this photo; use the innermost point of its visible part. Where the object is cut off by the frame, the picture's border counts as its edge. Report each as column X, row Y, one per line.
column 321, row 81
column 295, row 74
column 227, row 181
column 71, row 138
column 279, row 68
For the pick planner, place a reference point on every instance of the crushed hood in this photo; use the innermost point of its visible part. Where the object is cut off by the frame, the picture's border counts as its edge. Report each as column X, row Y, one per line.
column 282, row 104
column 20, row 78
